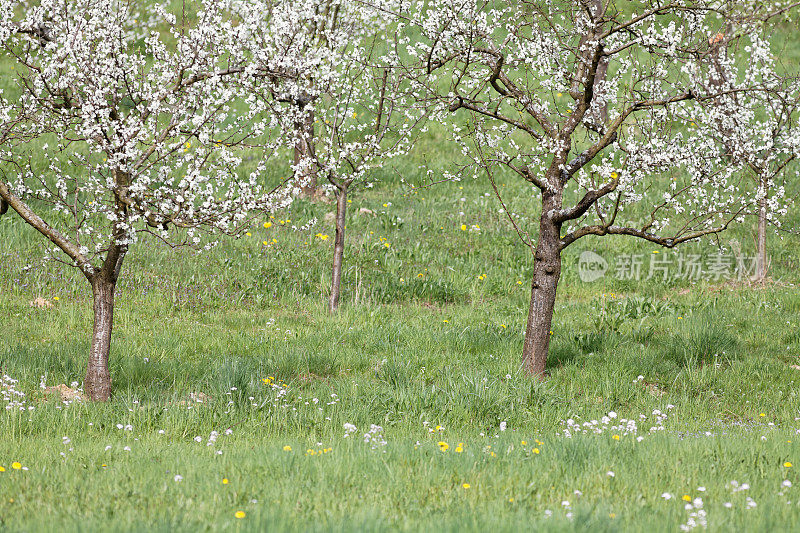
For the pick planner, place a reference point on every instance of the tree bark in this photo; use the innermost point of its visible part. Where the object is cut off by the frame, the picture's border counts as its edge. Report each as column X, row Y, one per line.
column 97, row 383
column 761, row 236
column 338, row 248
column 303, row 151
column 546, row 272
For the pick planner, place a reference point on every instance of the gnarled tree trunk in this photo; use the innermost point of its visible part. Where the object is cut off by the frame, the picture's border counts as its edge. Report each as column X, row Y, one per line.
column 761, row 236
column 338, row 247
column 546, row 272
column 97, row 383
column 303, row 151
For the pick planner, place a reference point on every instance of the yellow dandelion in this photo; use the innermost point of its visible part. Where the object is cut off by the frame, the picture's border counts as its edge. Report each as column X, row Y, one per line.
column 466, row 485
column 225, row 481
column 266, row 243
column 686, row 498
column 267, row 225
column 287, row 448
column 787, row 464
column 17, row 466
column 524, row 443
column 463, row 227
column 615, row 437
column 536, row 451
column 249, row 234
column 56, row 298
column 762, row 414
column 2, row 469
column 443, row 446
column 239, row 514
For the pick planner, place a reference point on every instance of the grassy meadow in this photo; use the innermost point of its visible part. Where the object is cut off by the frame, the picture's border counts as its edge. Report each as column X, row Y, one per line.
column 239, row 403
column 427, row 347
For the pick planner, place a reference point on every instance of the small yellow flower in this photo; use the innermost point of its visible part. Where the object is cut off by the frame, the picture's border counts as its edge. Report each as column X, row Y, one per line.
column 386, row 244
column 17, row 466
column 787, row 464
column 762, row 414
column 612, row 515
column 56, row 298
column 511, row 500
column 463, row 227
column 536, row 451
column 225, row 481
column 266, row 243
column 239, row 514
column 686, row 498
column 385, row 205
column 519, row 283
column 443, row 446
column 287, row 448
column 2, row 469
column 615, row 437
column 614, row 175
column 267, row 225
column 249, row 234
column 524, row 443
column 466, row 485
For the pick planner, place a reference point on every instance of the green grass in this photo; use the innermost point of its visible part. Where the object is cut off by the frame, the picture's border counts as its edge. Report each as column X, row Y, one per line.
column 429, row 334
column 442, row 348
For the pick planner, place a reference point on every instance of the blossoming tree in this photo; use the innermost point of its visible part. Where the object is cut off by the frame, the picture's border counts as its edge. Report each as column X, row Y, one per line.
column 758, row 129
column 586, row 101
column 340, row 62
column 112, row 132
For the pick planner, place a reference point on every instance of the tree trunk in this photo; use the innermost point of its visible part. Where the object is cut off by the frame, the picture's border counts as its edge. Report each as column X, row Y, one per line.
column 761, row 237
column 303, row 151
column 546, row 272
column 97, row 383
column 338, row 248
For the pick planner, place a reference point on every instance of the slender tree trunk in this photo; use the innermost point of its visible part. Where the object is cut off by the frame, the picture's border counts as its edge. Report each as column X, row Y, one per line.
column 338, row 248
column 761, row 237
column 546, row 272
column 303, row 152
column 97, row 383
